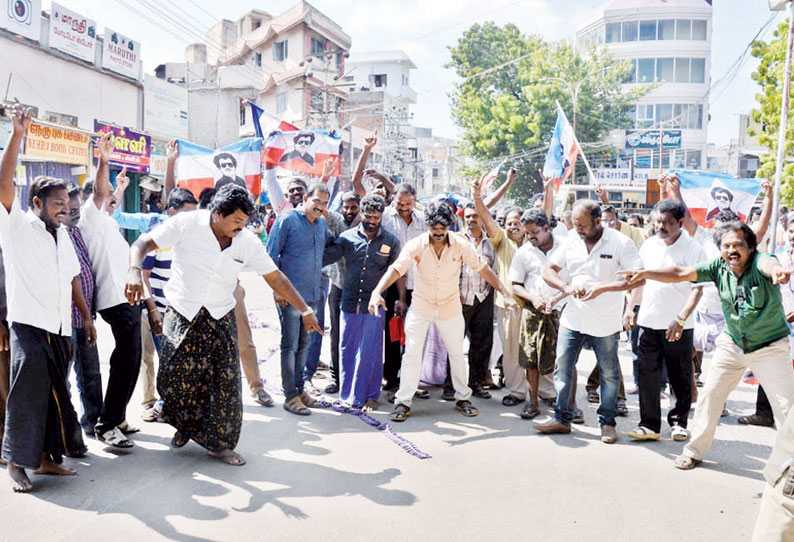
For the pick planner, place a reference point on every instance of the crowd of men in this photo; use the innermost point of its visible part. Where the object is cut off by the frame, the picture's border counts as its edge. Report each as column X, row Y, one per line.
column 446, row 286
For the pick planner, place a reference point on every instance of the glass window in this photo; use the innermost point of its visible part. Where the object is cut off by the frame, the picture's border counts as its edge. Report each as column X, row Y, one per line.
column 318, row 45
column 679, row 158
column 683, row 29
column 693, row 159
column 615, row 196
column 664, row 113
column 645, row 116
column 280, row 50
column 664, row 69
column 699, row 30
column 666, row 29
column 631, row 77
column 258, row 59
column 630, row 113
column 645, row 70
column 613, row 33
column 682, row 70
column 630, row 30
column 643, row 158
column 281, row 102
column 647, row 30
column 680, row 116
column 698, row 70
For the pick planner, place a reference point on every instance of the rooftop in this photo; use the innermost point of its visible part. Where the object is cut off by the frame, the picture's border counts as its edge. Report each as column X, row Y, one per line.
column 626, row 7
column 373, row 57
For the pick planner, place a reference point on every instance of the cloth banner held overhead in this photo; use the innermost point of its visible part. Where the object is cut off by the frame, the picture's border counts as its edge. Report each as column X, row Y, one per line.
column 303, row 151
column 265, row 123
column 563, row 151
column 240, row 163
column 491, row 177
column 706, row 193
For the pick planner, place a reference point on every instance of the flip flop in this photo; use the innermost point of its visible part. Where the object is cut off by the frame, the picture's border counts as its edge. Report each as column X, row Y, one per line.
column 230, row 457
column 400, row 413
column 684, row 462
column 114, row 438
column 467, row 409
column 422, row 394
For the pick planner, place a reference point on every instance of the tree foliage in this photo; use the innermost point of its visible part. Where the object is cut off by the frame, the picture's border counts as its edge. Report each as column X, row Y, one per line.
column 505, row 103
column 769, row 76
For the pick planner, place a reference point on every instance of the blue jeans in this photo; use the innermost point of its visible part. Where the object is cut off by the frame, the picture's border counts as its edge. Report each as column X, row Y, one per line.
column 89, row 379
column 294, row 349
column 316, row 342
column 569, row 345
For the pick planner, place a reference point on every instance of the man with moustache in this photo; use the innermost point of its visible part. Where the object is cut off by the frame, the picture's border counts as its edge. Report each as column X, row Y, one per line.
column 368, row 251
column 436, row 257
column 755, row 334
column 42, row 280
column 296, row 245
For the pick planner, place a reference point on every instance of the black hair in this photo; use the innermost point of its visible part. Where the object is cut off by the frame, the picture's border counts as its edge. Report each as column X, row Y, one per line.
column 302, row 135
column 536, row 198
column 718, row 189
column 42, row 186
column 350, row 196
column 318, row 186
column 217, row 159
column 591, row 206
column 469, row 205
column 674, row 207
column 608, row 209
column 372, row 203
column 439, row 213
column 300, row 180
column 639, row 218
column 206, row 197
column 88, row 189
column 518, row 210
column 535, row 216
column 726, row 215
column 230, row 198
column 735, row 225
column 404, row 188
column 74, row 191
column 179, row 197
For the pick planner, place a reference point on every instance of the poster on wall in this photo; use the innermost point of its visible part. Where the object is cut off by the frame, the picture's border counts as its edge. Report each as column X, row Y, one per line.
column 131, row 149
column 72, row 33
column 22, row 17
column 122, row 55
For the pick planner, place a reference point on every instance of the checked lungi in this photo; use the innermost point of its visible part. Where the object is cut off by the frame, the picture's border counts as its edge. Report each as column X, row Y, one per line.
column 538, row 339
column 361, row 357
column 40, row 419
column 199, row 378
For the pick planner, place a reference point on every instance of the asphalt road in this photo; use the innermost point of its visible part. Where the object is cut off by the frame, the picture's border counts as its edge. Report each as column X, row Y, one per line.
column 330, row 476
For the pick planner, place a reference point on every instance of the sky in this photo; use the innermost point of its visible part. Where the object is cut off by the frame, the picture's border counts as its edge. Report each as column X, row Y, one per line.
column 425, row 30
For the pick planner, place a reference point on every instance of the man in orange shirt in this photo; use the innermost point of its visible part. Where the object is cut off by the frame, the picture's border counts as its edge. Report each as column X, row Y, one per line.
column 436, row 257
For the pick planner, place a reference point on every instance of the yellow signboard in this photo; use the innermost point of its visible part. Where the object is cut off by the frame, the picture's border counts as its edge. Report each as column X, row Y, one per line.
column 57, row 144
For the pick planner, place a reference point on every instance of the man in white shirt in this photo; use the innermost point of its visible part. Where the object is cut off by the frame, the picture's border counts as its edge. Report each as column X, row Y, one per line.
column 199, row 376
column 42, row 280
column 591, row 259
column 540, row 319
column 666, row 321
column 108, row 252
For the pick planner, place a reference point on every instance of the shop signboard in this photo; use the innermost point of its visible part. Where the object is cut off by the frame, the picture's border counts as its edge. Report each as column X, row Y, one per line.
column 132, row 149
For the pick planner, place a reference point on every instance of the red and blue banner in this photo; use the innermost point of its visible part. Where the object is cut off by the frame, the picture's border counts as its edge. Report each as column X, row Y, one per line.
column 303, row 151
column 200, row 167
column 706, row 193
column 265, row 123
column 563, row 151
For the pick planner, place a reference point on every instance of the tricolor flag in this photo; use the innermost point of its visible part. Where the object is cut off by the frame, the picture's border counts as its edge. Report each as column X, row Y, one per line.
column 303, row 151
column 265, row 123
column 562, row 153
column 240, row 163
column 491, row 177
column 706, row 193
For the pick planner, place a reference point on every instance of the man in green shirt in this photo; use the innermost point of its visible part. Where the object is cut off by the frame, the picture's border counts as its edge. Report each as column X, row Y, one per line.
column 755, row 335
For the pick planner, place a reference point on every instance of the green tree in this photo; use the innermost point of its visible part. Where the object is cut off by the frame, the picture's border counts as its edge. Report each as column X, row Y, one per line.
column 505, row 103
column 769, row 76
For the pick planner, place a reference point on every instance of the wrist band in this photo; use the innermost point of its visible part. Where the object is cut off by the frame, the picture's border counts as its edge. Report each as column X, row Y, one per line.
column 133, row 267
column 681, row 322
column 153, row 310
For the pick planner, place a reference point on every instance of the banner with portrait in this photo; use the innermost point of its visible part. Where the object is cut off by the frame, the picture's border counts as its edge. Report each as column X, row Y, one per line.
column 706, row 193
column 303, row 151
column 239, row 163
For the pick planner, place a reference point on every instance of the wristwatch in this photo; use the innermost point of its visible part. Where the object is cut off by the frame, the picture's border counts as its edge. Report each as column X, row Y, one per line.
column 307, row 312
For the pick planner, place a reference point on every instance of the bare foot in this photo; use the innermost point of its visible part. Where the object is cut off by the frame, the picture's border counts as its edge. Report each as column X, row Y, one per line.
column 48, row 467
column 20, row 482
column 230, row 457
column 372, row 404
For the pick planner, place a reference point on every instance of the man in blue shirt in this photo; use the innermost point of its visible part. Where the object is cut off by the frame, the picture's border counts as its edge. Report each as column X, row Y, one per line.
column 296, row 245
column 368, row 250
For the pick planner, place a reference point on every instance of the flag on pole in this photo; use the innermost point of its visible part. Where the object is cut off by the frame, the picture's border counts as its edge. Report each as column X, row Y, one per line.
column 265, row 123
column 491, row 177
column 563, row 151
column 240, row 163
column 303, row 151
column 706, row 193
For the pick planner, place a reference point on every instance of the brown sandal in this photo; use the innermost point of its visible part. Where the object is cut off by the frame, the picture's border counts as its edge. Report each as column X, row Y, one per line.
column 230, row 457
column 296, row 406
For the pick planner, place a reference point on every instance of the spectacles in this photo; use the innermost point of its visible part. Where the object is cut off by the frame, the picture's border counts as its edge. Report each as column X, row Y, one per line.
column 227, row 165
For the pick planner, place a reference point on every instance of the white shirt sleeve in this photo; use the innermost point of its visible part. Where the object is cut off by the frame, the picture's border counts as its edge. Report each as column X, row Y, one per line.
column 70, row 262
column 90, row 215
column 170, row 232
column 629, row 258
column 256, row 257
column 518, row 267
column 9, row 219
column 560, row 256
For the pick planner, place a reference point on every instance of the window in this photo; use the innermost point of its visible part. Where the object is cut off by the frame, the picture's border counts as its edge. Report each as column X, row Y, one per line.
column 666, row 30
column 631, row 77
column 255, row 25
column 680, row 116
column 435, row 172
column 693, row 159
column 258, row 59
column 698, row 70
column 699, row 30
column 378, row 80
column 682, row 70
column 645, row 70
column 647, row 30
column 316, row 101
column 645, row 115
column 683, row 29
column 280, row 51
column 695, row 117
column 582, row 194
column 613, row 33
column 630, row 113
column 664, row 69
column 242, row 113
column 318, row 45
column 281, row 102
column 679, row 158
column 664, row 114
column 615, row 196
column 630, row 30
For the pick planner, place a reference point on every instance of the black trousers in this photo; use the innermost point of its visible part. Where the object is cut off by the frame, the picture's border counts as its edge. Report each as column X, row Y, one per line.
column 762, row 406
column 654, row 351
column 478, row 319
column 334, row 310
column 392, row 351
column 125, row 362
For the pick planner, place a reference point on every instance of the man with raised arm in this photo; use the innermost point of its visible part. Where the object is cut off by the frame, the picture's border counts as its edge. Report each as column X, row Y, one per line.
column 755, row 335
column 42, row 280
column 199, row 376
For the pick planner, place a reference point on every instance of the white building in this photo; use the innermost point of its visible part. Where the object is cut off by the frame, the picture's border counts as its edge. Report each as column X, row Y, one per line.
column 387, row 71
column 667, row 42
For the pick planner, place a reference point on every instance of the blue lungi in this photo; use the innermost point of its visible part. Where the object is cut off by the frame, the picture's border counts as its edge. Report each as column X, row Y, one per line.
column 361, row 357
